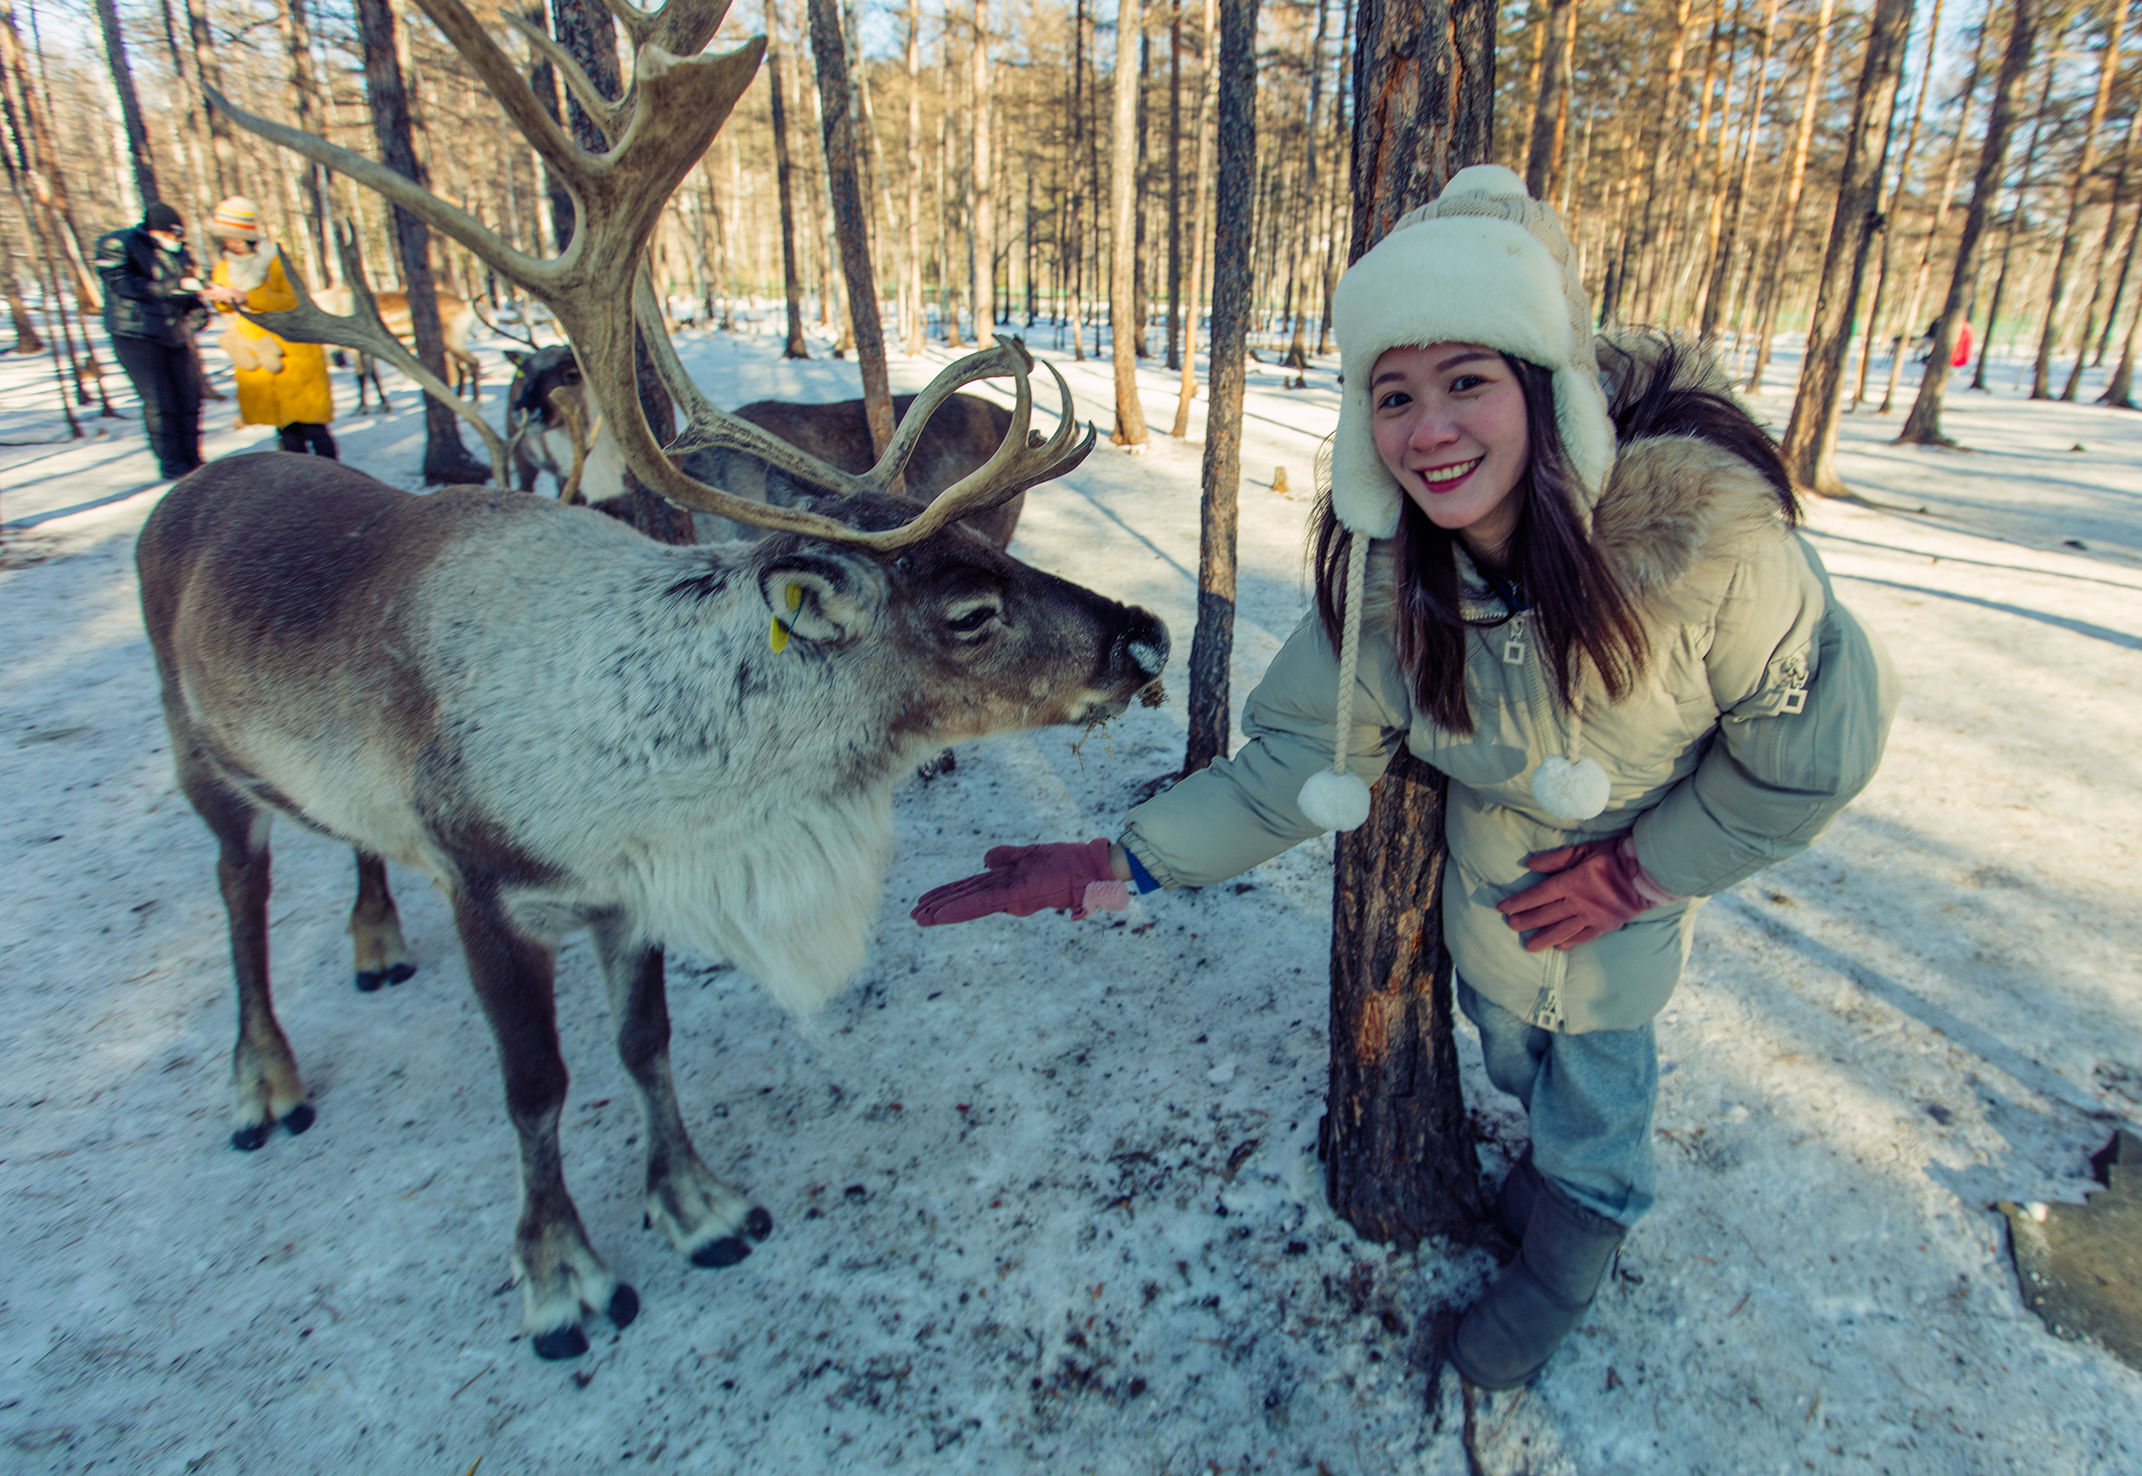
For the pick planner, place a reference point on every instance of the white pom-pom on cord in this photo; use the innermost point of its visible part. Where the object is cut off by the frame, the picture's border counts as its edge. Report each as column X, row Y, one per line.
column 1335, row 801
column 1571, row 791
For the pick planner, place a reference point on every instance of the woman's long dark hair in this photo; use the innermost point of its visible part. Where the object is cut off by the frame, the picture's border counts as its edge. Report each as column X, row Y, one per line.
column 1582, row 611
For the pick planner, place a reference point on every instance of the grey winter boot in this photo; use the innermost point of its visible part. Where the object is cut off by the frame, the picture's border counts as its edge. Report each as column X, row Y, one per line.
column 1514, row 1329
column 1520, row 1188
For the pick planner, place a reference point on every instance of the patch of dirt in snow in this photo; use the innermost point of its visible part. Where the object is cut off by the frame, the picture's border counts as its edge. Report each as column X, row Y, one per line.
column 1045, row 1193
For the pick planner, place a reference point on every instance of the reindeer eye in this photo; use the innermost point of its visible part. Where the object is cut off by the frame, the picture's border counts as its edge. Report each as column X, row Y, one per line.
column 971, row 620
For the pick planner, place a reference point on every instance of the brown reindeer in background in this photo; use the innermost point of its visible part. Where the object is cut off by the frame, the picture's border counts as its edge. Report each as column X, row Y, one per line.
column 571, row 726
column 457, row 320
column 548, row 418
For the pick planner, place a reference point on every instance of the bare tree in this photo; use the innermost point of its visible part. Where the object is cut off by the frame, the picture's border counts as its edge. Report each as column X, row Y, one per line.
column 2041, row 374
column 1212, row 646
column 1945, row 199
column 1811, row 434
column 446, row 460
column 1772, row 281
column 1399, row 1162
column 844, row 181
column 1200, row 228
column 2107, row 250
column 223, row 152
column 1550, row 110
column 1888, row 222
column 984, row 236
column 784, row 174
column 1124, row 327
column 915, row 324
column 1922, row 427
column 38, row 160
column 307, row 114
column 137, row 132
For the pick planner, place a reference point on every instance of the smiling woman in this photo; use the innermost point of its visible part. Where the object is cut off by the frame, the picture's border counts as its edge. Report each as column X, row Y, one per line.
column 1450, row 427
column 1580, row 596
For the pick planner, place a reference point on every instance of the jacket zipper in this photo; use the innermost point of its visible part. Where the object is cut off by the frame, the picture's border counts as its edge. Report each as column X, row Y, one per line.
column 1517, row 651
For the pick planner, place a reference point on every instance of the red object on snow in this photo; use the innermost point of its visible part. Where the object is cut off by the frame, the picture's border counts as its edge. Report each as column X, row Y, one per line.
column 1962, row 355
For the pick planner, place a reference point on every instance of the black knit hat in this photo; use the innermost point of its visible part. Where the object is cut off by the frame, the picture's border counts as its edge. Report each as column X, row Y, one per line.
column 161, row 217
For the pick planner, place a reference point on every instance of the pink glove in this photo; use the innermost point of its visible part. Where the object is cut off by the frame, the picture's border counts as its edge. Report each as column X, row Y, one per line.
column 1591, row 889
column 1022, row 880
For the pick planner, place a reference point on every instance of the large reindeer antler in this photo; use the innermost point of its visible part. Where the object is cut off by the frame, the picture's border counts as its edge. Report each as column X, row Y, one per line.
column 364, row 330
column 675, row 105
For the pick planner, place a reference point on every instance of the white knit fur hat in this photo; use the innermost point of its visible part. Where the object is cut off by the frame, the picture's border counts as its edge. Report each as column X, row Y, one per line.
column 1487, row 264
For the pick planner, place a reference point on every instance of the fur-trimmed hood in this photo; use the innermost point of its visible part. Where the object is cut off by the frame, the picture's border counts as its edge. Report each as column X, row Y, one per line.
column 1676, row 515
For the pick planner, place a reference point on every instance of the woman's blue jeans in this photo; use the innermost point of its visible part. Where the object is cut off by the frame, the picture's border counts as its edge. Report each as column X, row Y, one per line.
column 1589, row 1100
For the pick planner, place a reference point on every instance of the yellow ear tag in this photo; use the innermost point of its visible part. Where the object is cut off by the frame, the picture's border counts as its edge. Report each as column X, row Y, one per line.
column 778, row 636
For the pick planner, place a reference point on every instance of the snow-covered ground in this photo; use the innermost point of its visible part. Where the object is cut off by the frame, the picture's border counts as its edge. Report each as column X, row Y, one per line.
column 1045, row 1192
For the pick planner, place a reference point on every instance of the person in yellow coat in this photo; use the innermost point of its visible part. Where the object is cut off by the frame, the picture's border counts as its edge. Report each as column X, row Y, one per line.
column 280, row 384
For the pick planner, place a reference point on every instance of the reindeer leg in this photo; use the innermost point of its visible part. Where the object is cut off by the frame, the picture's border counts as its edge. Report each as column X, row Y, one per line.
column 264, row 1074
column 702, row 1215
column 559, row 1273
column 382, row 957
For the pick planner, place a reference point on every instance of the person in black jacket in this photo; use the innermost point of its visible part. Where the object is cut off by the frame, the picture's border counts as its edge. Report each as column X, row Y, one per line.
column 152, row 308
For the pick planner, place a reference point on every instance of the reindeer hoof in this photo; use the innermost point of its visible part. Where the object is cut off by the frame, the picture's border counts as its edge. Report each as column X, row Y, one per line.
column 758, row 1224
column 250, row 1137
column 715, row 1254
column 624, row 1305
column 369, row 980
column 561, row 1342
column 301, row 1117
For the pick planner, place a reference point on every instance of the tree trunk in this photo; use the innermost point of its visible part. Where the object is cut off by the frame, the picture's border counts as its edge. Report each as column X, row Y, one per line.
column 1335, row 207
column 222, row 149
column 446, row 460
column 40, row 165
column 1773, row 281
column 916, row 336
column 2119, row 390
column 1200, row 226
column 784, row 184
column 1123, row 325
column 1947, row 198
column 1543, row 153
column 1889, row 217
column 1810, row 444
column 137, row 132
column 1664, row 132
column 851, row 223
column 1175, row 183
column 1424, row 98
column 2041, row 374
column 2107, row 250
column 2059, row 19
column 984, row 276
column 310, row 117
column 1212, row 646
column 1923, row 426
column 1399, row 1162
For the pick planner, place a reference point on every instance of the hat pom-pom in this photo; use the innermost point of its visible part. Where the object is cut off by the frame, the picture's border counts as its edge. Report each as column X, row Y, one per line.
column 1334, row 801
column 1571, row 791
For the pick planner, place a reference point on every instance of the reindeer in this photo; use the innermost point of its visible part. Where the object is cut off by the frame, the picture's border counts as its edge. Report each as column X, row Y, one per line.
column 571, row 726
column 547, row 416
column 457, row 320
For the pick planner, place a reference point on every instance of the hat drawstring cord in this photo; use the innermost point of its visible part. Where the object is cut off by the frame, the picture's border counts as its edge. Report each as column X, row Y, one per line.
column 1357, row 547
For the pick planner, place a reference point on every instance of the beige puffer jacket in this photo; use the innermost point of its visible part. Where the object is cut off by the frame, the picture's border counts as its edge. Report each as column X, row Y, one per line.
column 1764, row 712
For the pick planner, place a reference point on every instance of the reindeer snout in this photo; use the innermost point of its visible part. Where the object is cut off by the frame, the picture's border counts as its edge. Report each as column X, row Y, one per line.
column 1144, row 643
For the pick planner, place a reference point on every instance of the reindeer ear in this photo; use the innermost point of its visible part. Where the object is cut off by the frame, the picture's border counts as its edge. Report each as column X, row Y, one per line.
column 518, row 358
column 818, row 597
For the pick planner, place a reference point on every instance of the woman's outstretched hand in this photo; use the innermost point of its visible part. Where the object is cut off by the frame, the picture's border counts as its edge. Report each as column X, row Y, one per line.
column 1023, row 880
column 1591, row 889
